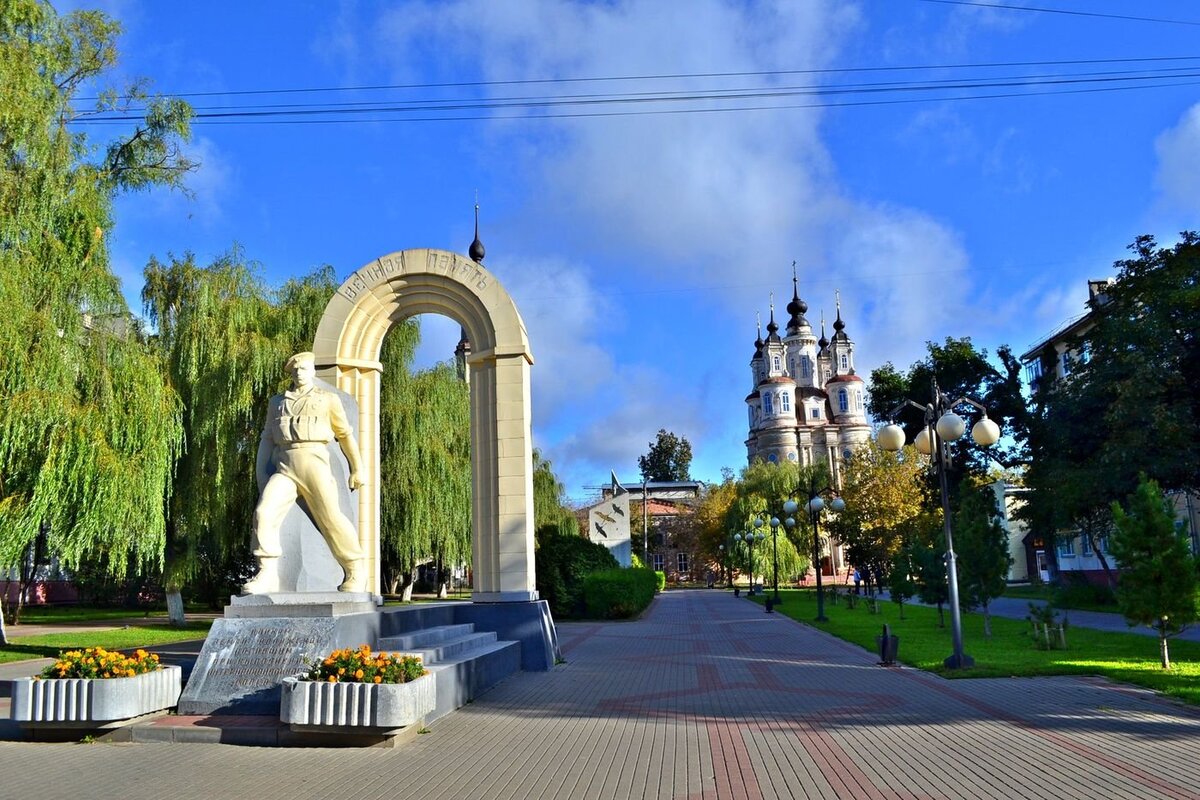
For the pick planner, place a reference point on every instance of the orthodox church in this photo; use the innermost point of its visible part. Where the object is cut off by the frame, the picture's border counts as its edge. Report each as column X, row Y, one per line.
column 808, row 404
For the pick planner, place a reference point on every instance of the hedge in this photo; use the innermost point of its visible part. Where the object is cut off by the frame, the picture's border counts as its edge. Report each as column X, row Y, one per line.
column 618, row 593
column 561, row 564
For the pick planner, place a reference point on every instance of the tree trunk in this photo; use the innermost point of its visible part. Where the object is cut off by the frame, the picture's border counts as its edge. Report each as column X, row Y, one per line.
column 987, row 622
column 1162, row 645
column 3, row 633
column 175, row 613
column 1108, row 573
column 406, row 586
column 941, row 616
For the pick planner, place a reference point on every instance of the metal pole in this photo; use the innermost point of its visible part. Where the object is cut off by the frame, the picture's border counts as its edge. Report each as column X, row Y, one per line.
column 816, row 522
column 775, row 559
column 959, row 659
column 645, row 528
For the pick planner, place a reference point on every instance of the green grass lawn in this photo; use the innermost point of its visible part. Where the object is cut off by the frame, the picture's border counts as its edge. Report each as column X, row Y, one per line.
column 49, row 645
column 1122, row 657
column 49, row 615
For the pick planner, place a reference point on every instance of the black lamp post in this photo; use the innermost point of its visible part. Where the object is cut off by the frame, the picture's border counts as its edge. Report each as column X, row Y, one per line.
column 750, row 537
column 814, row 506
column 758, row 523
column 943, row 426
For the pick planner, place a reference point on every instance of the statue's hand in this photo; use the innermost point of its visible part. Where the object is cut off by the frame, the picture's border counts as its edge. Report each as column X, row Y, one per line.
column 355, row 482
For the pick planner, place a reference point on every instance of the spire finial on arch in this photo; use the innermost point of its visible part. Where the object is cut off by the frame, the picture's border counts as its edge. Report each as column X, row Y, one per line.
column 477, row 251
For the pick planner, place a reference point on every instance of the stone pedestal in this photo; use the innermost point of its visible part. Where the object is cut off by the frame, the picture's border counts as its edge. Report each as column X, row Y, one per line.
column 264, row 638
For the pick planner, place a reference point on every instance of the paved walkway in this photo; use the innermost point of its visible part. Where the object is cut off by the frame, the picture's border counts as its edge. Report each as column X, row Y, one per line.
column 705, row 697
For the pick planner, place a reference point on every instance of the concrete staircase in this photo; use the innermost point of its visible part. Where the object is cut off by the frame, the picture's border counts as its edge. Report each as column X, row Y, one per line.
column 465, row 664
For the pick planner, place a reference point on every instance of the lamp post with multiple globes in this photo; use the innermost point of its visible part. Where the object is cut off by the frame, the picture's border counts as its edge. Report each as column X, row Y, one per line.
column 943, row 426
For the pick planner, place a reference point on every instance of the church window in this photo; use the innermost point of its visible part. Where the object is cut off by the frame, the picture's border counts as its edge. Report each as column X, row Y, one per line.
column 843, row 400
column 786, row 400
column 792, row 366
column 816, row 413
column 791, row 456
column 772, row 458
column 805, row 366
column 767, row 409
column 776, row 363
column 827, row 373
column 845, row 361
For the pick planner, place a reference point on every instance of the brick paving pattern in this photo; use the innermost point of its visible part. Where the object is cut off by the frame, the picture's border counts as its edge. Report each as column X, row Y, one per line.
column 704, row 697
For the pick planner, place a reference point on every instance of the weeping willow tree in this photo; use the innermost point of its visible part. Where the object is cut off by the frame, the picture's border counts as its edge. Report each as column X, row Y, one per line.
column 761, row 493
column 88, row 428
column 223, row 336
column 551, row 516
column 425, row 464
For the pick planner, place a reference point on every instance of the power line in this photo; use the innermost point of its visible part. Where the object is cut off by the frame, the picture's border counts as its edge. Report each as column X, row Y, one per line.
column 1068, row 12
column 675, row 76
column 291, row 116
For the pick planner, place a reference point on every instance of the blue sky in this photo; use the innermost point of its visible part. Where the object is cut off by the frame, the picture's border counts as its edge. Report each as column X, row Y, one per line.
column 640, row 246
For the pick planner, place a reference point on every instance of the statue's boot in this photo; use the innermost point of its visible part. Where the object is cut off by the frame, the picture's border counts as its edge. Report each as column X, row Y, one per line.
column 267, row 579
column 356, row 576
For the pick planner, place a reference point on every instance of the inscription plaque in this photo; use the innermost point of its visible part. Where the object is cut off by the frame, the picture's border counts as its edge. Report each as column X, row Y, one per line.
column 243, row 662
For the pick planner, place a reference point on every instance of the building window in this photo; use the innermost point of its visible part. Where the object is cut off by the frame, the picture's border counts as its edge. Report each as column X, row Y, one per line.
column 777, row 364
column 1066, row 548
column 786, row 401
column 1033, row 371
column 1085, row 545
column 1065, row 361
column 845, row 361
column 816, row 413
column 681, row 560
column 791, row 456
column 805, row 366
column 659, row 562
column 767, row 407
column 843, row 400
column 827, row 373
column 772, row 458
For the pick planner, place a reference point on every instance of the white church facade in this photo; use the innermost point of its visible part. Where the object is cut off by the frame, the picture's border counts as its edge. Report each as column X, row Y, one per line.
column 808, row 405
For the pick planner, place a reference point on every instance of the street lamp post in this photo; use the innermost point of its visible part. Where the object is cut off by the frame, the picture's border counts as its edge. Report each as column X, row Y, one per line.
column 943, row 426
column 724, row 573
column 750, row 537
column 758, row 523
column 814, row 506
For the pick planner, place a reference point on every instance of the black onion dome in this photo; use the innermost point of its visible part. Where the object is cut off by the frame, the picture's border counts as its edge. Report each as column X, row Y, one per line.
column 477, row 251
column 758, row 343
column 772, row 328
column 822, row 343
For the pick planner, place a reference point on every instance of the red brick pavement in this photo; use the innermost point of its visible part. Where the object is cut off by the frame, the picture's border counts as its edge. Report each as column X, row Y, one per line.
column 705, row 697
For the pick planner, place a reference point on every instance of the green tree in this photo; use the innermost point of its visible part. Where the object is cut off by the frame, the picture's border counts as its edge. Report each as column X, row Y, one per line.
column 961, row 370
column 1127, row 406
column 550, row 511
column 982, row 549
column 901, row 587
column 88, row 429
column 425, row 466
column 669, row 458
column 1158, row 579
column 883, row 493
column 765, row 487
column 927, row 553
column 223, row 337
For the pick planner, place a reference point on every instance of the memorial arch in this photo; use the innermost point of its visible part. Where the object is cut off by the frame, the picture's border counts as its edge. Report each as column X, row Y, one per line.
column 389, row 290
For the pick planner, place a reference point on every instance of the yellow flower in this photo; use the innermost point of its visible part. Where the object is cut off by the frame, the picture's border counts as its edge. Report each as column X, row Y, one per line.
column 358, row 674
column 333, row 678
column 378, row 679
column 341, row 670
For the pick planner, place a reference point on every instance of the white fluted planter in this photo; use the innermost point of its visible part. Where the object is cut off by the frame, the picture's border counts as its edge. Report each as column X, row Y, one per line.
column 81, row 701
column 355, row 707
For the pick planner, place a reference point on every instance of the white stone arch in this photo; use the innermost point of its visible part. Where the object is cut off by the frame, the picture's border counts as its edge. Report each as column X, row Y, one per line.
column 389, row 290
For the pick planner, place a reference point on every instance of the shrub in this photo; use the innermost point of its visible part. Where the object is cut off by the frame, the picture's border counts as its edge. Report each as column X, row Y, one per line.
column 562, row 563
column 1077, row 591
column 618, row 593
column 362, row 666
column 96, row 662
column 660, row 579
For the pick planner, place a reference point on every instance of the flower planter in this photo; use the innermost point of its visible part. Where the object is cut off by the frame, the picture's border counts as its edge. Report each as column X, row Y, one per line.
column 356, row 707
column 83, row 701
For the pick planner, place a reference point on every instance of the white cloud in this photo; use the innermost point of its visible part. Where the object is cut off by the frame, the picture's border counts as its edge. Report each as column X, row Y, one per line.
column 1178, row 150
